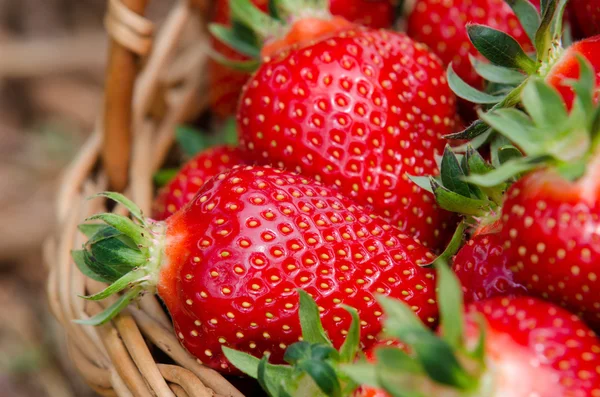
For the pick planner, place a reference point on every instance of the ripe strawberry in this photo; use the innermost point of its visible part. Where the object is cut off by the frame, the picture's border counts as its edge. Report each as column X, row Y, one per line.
column 442, row 26
column 228, row 264
column 482, row 267
column 499, row 347
column 225, row 84
column 359, row 110
column 205, row 165
column 586, row 15
column 551, row 217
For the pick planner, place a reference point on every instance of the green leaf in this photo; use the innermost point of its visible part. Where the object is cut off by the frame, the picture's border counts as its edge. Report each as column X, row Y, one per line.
column 115, row 287
column 422, row 182
column 509, row 170
column 361, row 373
column 310, row 320
column 528, row 16
column 454, row 202
column 249, row 15
column 89, row 229
column 350, row 346
column 497, row 74
column 80, row 260
column 125, row 202
column 453, row 246
column 164, row 176
column 113, row 310
column 450, row 302
column 544, row 104
column 467, row 92
column 452, row 175
column 398, row 315
column 124, row 225
column 500, row 48
column 228, row 36
column 324, row 376
column 248, row 66
column 395, row 359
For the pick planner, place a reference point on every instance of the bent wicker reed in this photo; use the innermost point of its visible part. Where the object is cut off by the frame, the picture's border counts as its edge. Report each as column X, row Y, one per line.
column 153, row 83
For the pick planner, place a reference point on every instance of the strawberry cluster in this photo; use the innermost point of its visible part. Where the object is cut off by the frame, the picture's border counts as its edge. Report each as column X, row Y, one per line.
column 359, row 238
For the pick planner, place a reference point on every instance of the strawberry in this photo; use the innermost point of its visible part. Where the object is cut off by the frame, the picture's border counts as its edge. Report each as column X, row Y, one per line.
column 442, row 26
column 483, row 269
column 184, row 186
column 358, row 110
column 228, row 264
column 586, row 15
column 225, row 84
column 499, row 347
column 551, row 216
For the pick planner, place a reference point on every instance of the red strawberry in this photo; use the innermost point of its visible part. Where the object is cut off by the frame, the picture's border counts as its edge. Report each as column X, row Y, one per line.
column 500, row 347
column 567, row 67
column 586, row 16
column 359, row 111
column 553, row 241
column 483, row 269
column 228, row 264
column 177, row 193
column 442, row 26
column 551, row 218
column 226, row 83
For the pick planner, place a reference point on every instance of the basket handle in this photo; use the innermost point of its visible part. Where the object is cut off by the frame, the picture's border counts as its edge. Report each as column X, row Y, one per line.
column 130, row 37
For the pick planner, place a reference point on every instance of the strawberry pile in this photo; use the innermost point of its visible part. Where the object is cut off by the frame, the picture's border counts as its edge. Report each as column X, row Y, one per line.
column 360, row 239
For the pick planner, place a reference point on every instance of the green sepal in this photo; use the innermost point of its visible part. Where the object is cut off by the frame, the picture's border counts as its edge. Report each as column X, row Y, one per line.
column 245, row 12
column 509, row 170
column 124, row 225
column 399, row 315
column 422, row 181
column 478, row 166
column 528, row 16
column 350, row 347
column 324, row 376
column 361, row 373
column 310, row 320
column 508, row 153
column 453, row 246
column 454, row 202
column 89, row 229
column 125, row 202
column 115, row 287
column 496, row 74
column 288, row 9
column 478, row 351
column 544, row 105
column 500, row 48
column 113, row 310
column 397, row 360
column 450, row 303
column 248, row 364
column 248, row 66
column 228, row 36
column 79, row 257
column 550, row 28
column 107, row 273
column 465, row 91
column 452, row 174
column 265, row 380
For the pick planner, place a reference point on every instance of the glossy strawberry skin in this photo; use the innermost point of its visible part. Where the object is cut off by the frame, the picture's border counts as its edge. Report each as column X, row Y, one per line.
column 567, row 67
column 442, row 26
column 536, row 348
column 586, row 16
column 237, row 253
column 226, row 84
column 358, row 111
column 483, row 269
column 552, row 239
column 191, row 177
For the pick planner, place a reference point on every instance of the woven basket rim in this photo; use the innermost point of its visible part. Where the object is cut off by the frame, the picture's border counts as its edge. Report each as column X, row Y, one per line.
column 116, row 359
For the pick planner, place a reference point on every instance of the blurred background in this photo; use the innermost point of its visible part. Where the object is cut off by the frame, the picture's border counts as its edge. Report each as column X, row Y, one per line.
column 52, row 57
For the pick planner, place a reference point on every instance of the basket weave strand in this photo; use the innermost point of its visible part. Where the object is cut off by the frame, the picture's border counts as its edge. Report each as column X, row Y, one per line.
column 117, row 359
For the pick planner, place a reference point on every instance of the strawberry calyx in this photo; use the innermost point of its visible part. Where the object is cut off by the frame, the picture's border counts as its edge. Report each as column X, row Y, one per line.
column 438, row 364
column 314, row 363
column 547, row 132
column 125, row 253
column 259, row 35
column 509, row 67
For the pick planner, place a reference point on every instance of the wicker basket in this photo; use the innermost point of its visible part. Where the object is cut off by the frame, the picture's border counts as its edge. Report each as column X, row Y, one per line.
column 152, row 84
